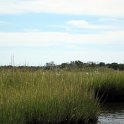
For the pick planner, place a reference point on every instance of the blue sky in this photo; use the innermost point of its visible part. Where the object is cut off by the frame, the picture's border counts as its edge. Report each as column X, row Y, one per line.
column 40, row 31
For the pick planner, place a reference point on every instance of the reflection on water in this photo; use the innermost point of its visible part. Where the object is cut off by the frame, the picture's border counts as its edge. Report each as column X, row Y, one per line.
column 112, row 114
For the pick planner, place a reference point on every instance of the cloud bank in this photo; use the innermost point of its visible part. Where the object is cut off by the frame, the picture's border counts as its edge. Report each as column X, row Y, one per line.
column 83, row 24
column 54, row 38
column 111, row 8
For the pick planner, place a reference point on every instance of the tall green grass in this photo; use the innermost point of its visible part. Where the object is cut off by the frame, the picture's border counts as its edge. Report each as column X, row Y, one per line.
column 37, row 97
column 110, row 79
column 46, row 97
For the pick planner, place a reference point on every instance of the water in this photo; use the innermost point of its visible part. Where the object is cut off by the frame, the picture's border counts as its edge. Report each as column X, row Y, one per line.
column 112, row 114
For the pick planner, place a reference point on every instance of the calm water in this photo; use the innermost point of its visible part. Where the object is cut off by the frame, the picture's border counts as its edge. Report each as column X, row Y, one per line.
column 112, row 114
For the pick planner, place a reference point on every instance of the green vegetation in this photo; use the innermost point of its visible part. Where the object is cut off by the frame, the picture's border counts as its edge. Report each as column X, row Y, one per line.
column 109, row 86
column 53, row 96
column 45, row 96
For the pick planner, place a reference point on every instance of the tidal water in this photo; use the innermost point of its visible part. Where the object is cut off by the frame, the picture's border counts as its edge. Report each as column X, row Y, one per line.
column 112, row 114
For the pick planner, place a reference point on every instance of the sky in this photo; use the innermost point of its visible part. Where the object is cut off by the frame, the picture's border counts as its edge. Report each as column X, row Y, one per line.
column 38, row 31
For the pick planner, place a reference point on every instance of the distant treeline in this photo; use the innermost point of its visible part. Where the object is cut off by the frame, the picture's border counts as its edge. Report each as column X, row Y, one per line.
column 80, row 64
column 71, row 65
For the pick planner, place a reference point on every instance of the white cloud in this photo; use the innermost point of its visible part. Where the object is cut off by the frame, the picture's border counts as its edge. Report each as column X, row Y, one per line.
column 78, row 23
column 109, row 20
column 61, row 38
column 63, row 27
column 86, row 25
column 86, row 7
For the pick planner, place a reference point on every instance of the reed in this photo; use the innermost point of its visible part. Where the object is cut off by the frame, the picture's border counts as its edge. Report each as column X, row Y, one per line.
column 53, row 97
column 109, row 86
column 46, row 97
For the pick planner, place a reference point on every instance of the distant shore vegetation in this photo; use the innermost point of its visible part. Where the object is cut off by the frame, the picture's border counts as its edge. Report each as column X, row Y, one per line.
column 71, row 65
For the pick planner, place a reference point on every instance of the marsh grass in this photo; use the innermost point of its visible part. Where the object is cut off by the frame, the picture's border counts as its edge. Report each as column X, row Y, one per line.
column 109, row 85
column 45, row 97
